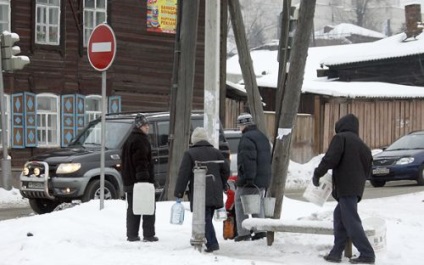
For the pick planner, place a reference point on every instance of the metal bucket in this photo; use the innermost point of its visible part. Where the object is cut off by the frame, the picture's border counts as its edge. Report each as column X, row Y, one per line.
column 269, row 206
column 251, row 203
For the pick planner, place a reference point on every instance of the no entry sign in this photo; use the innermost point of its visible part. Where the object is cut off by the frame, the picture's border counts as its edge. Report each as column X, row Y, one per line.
column 101, row 47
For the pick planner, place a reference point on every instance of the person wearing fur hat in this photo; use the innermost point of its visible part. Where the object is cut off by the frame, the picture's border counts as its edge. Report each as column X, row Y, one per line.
column 202, row 150
column 137, row 166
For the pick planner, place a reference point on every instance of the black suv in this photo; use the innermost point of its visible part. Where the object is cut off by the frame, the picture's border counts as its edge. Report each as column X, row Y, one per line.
column 73, row 173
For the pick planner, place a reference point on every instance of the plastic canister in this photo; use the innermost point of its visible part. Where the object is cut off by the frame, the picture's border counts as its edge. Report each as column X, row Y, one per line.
column 378, row 241
column 220, row 214
column 319, row 195
column 177, row 213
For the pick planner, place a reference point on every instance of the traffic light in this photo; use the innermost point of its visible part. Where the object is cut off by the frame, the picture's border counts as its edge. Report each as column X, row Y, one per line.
column 10, row 62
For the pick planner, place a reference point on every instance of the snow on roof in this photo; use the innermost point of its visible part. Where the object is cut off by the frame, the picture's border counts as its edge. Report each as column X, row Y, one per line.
column 362, row 89
column 391, row 47
column 266, row 66
column 344, row 30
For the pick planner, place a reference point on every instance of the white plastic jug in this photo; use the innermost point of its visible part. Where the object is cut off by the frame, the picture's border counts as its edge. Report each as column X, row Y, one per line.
column 144, row 198
column 319, row 195
column 177, row 213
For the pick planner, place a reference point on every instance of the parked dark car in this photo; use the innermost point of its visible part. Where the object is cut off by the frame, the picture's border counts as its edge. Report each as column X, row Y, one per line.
column 73, row 172
column 402, row 160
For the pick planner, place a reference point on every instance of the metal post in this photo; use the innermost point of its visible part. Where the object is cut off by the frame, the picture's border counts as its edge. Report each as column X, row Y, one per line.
column 199, row 202
column 198, row 221
column 6, row 162
column 103, row 135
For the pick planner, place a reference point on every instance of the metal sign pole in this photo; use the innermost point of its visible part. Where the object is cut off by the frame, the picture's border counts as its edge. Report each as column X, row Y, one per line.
column 6, row 163
column 103, row 133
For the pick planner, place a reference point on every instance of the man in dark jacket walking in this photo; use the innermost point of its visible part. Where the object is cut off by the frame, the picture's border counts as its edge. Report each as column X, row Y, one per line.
column 202, row 150
column 254, row 171
column 137, row 166
column 350, row 160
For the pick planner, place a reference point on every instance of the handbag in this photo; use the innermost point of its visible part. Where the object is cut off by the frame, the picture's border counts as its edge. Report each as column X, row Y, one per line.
column 229, row 228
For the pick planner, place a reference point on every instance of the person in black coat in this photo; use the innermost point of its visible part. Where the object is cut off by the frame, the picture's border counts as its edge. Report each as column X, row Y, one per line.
column 202, row 150
column 350, row 160
column 254, row 171
column 137, row 166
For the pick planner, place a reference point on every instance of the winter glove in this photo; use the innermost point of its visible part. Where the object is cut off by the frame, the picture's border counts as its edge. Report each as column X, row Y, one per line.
column 250, row 183
column 226, row 187
column 315, row 181
column 142, row 176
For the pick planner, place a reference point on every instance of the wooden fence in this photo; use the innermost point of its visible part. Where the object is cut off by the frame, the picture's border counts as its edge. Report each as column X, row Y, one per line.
column 381, row 122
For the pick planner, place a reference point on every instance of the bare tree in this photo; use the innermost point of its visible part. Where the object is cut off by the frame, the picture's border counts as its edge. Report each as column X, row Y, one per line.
column 260, row 20
column 364, row 13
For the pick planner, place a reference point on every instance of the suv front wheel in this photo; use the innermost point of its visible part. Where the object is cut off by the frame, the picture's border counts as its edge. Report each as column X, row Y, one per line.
column 42, row 206
column 93, row 191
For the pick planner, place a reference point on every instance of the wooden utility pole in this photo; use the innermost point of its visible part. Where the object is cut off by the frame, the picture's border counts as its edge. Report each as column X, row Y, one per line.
column 179, row 140
column 253, row 96
column 290, row 104
column 283, row 59
column 223, row 60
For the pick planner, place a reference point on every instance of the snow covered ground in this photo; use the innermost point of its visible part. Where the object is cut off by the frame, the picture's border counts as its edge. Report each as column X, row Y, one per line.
column 84, row 234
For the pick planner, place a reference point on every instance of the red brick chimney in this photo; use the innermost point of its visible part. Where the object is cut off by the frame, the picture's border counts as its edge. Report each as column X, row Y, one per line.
column 412, row 16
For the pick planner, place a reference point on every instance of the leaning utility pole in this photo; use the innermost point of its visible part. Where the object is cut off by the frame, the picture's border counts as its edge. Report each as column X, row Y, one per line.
column 253, row 96
column 183, row 97
column 284, row 60
column 290, row 104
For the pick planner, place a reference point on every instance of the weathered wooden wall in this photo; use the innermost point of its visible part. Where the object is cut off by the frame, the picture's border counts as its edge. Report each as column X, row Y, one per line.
column 380, row 121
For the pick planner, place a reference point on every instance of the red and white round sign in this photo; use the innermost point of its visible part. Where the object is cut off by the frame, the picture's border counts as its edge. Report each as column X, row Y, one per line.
column 101, row 47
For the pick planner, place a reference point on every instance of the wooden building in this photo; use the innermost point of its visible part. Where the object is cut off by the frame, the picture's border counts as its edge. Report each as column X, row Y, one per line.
column 59, row 92
column 381, row 82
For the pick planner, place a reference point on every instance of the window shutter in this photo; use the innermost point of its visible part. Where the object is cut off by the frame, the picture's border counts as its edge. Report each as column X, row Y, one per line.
column 114, row 104
column 30, row 115
column 72, row 117
column 67, row 119
column 79, row 113
column 18, row 120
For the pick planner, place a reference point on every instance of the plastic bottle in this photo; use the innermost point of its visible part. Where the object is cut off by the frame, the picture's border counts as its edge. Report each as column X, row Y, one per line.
column 177, row 213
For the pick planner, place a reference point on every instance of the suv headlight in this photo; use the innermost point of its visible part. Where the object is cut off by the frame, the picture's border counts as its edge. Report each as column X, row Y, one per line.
column 66, row 168
column 405, row 160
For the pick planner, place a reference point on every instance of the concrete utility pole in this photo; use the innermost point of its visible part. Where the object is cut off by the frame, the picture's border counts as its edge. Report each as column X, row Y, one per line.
column 211, row 97
column 290, row 104
column 184, row 94
column 253, row 96
column 223, row 60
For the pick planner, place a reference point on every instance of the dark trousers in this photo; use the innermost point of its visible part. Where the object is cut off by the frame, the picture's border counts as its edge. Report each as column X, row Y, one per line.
column 210, row 235
column 347, row 224
column 133, row 221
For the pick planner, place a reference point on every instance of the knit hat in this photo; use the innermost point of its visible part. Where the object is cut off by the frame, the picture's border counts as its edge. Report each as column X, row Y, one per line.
column 199, row 134
column 244, row 119
column 140, row 120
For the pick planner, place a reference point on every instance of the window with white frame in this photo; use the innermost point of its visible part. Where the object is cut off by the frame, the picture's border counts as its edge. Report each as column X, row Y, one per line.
column 7, row 119
column 94, row 14
column 4, row 15
column 93, row 107
column 48, row 120
column 47, row 22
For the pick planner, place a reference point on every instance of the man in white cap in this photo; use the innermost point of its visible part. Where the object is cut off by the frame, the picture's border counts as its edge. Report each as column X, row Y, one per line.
column 254, row 171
